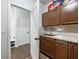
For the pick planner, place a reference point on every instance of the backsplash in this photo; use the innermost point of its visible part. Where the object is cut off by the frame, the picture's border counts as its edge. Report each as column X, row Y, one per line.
column 61, row 29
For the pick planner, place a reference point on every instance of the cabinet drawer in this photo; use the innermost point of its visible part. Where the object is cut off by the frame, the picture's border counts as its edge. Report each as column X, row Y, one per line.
column 61, row 42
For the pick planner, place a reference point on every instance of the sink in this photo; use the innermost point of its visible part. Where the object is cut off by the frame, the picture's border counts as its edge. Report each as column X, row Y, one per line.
column 49, row 34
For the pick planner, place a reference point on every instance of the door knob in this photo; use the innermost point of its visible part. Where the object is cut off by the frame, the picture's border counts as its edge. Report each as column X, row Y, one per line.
column 37, row 38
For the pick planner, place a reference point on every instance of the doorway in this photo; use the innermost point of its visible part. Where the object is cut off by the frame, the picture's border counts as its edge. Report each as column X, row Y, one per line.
column 19, row 33
column 22, row 48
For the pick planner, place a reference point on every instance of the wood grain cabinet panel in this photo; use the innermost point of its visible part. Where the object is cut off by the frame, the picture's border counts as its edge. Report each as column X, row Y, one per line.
column 74, row 13
column 60, row 51
column 42, row 43
column 72, row 50
column 54, row 17
column 69, row 13
column 51, row 18
column 75, row 50
column 46, row 19
column 47, row 46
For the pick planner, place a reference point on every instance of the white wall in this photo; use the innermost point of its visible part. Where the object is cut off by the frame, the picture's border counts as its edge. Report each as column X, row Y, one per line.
column 42, row 10
column 46, row 8
column 27, row 4
column 4, row 32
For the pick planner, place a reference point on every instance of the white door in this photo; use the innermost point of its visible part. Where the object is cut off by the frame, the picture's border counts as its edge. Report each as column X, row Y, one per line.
column 22, row 26
column 22, row 31
column 34, row 31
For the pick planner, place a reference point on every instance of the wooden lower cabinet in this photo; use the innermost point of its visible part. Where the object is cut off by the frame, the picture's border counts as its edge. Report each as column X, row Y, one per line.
column 75, row 51
column 66, row 50
column 58, row 49
column 47, row 46
column 60, row 52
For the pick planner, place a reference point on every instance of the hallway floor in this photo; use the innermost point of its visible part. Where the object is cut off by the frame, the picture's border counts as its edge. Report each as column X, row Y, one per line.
column 23, row 52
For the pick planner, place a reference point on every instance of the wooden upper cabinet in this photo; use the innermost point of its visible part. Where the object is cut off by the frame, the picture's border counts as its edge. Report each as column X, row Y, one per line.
column 69, row 13
column 64, row 15
column 51, row 18
column 54, row 17
column 46, row 19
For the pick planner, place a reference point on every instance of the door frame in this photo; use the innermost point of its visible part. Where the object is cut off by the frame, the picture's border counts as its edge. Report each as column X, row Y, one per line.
column 9, row 47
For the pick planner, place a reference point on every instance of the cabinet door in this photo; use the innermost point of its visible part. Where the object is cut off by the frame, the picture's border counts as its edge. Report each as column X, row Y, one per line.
column 70, row 50
column 74, row 13
column 60, row 51
column 69, row 13
column 47, row 46
column 54, row 18
column 42, row 43
column 46, row 19
column 75, row 51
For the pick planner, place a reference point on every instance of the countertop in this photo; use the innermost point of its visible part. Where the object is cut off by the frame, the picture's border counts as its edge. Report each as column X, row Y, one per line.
column 70, row 38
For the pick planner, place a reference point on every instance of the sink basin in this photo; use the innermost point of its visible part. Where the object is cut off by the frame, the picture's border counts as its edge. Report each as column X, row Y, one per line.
column 49, row 34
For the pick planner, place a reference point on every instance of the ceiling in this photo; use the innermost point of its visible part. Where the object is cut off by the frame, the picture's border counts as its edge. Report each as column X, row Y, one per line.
column 45, row 1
